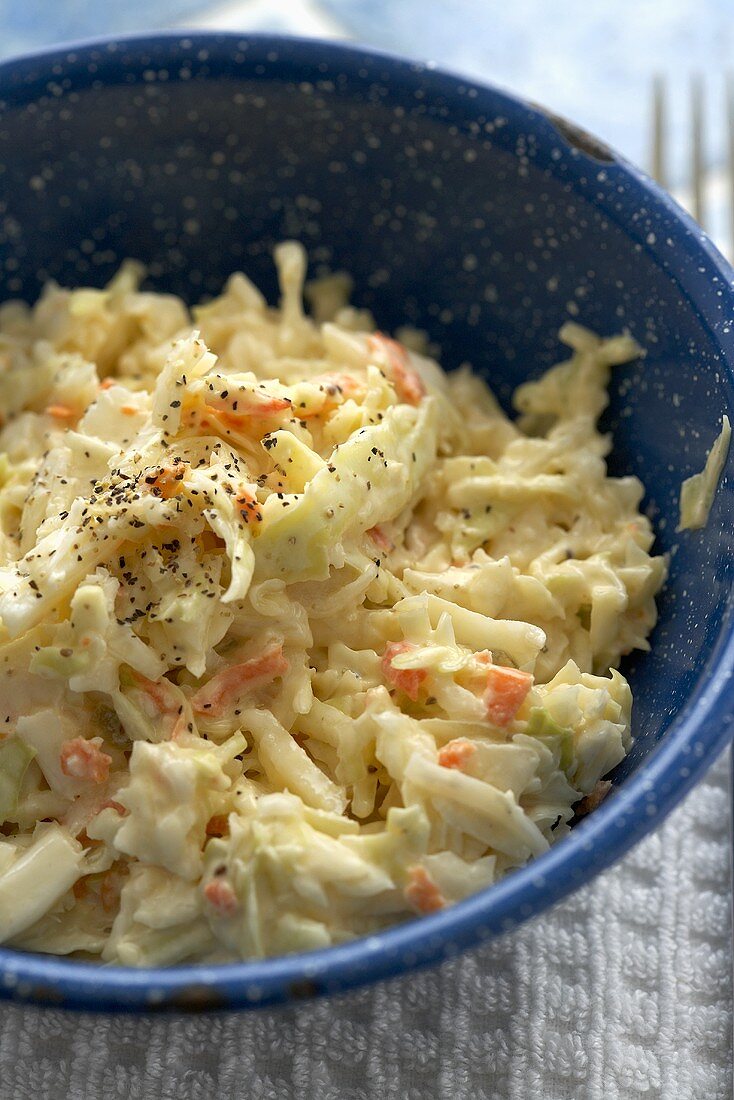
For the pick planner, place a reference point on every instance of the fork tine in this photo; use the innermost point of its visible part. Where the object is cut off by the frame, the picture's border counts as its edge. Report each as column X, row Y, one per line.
column 730, row 154
column 658, row 167
column 697, row 157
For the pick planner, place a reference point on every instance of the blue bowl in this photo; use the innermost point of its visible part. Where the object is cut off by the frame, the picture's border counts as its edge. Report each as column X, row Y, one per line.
column 457, row 208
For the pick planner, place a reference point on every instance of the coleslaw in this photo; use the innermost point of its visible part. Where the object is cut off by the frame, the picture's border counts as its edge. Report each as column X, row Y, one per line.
column 301, row 636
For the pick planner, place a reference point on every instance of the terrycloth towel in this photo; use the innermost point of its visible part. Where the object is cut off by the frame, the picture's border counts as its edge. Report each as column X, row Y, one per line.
column 624, row 991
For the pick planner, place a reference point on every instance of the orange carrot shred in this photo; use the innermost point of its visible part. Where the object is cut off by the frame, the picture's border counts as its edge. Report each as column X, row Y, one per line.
column 408, row 680
column 380, row 538
column 221, row 896
column 110, row 804
column 234, row 681
column 249, row 508
column 421, row 892
column 159, row 692
column 505, row 693
column 82, row 759
column 249, row 408
column 61, row 412
column 337, row 387
column 456, row 753
column 168, row 481
column 408, row 383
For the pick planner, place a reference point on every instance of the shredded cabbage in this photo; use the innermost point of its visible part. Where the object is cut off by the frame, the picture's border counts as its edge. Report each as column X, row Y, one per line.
column 300, row 635
column 15, row 756
column 697, row 492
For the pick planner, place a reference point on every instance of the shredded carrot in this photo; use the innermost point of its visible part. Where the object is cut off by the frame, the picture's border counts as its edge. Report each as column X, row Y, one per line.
column 380, row 538
column 159, row 692
column 237, row 415
column 165, row 701
column 110, row 804
column 82, row 759
column 408, row 383
column 106, row 383
column 408, row 680
column 422, row 892
column 250, row 406
column 336, row 387
column 249, row 508
column 129, row 410
column 230, row 683
column 221, row 896
column 218, row 825
column 456, row 753
column 340, row 384
column 505, row 692
column 167, row 481
column 80, row 889
column 62, row 412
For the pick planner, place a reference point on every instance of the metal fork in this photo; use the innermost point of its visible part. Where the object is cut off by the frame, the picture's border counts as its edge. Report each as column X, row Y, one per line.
column 698, row 180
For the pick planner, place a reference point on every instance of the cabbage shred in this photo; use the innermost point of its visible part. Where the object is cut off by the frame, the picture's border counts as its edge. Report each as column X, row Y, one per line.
column 300, row 635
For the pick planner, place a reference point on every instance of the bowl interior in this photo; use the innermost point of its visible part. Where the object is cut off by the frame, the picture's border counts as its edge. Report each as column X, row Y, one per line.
column 454, row 207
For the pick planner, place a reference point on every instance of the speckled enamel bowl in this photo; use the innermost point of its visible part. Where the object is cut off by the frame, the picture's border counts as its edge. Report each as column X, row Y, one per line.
column 457, row 208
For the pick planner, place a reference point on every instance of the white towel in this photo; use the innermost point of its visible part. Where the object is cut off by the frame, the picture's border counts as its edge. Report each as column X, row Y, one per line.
column 623, row 991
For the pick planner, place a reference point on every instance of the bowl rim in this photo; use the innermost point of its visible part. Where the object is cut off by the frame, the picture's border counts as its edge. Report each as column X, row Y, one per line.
column 688, row 748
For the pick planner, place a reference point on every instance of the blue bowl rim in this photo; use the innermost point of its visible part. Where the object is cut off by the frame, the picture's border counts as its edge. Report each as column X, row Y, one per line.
column 692, row 742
